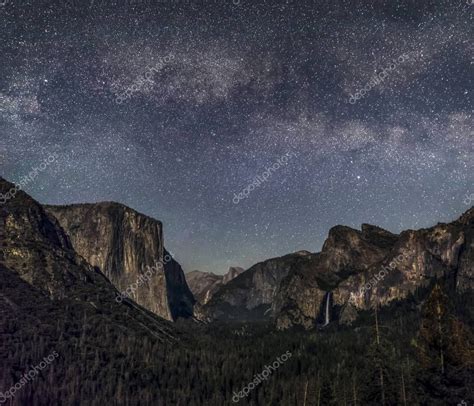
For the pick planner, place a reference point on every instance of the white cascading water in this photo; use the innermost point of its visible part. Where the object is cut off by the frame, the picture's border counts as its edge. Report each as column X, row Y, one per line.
column 328, row 299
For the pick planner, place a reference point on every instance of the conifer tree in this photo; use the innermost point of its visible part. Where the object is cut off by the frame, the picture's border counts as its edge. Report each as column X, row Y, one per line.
column 445, row 353
column 379, row 386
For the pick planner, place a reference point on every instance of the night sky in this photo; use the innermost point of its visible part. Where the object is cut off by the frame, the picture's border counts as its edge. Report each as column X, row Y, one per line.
column 235, row 86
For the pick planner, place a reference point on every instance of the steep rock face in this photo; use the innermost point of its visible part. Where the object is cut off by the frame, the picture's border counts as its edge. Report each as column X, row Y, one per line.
column 465, row 260
column 52, row 302
column 444, row 250
column 180, row 298
column 295, row 304
column 250, row 295
column 128, row 248
column 37, row 258
column 345, row 252
column 205, row 284
column 360, row 268
column 232, row 273
column 375, row 266
column 34, row 245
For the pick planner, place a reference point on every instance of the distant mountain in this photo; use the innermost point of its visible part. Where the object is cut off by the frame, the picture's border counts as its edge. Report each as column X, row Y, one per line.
column 232, row 273
column 250, row 295
column 354, row 270
column 204, row 284
column 125, row 245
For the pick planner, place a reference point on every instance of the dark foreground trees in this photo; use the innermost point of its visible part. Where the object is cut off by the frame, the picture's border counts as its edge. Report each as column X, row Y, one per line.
column 445, row 354
column 397, row 356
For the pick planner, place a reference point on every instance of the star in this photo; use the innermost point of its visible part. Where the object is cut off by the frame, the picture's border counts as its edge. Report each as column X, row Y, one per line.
column 178, row 108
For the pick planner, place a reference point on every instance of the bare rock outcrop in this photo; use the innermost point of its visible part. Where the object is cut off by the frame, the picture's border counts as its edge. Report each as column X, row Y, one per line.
column 128, row 248
column 205, row 284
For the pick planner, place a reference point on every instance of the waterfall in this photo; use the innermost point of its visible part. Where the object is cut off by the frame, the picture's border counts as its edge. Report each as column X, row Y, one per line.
column 326, row 317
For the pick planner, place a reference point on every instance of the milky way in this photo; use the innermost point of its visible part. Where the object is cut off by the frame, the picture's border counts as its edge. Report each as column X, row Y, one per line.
column 218, row 91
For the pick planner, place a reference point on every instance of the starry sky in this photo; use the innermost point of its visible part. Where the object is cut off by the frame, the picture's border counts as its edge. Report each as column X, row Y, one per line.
column 236, row 85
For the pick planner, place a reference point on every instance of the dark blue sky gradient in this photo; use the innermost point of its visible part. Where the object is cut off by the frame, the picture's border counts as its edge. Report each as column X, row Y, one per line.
column 247, row 83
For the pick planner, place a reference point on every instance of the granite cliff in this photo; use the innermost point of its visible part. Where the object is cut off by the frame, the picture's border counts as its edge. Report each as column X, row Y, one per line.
column 37, row 257
column 54, row 305
column 355, row 270
column 250, row 295
column 205, row 284
column 125, row 245
column 418, row 257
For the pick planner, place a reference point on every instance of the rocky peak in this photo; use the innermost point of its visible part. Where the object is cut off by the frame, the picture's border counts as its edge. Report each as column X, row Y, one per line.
column 355, row 269
column 232, row 273
column 302, row 253
column 375, row 266
column 378, row 236
column 51, row 288
column 343, row 237
column 249, row 296
column 291, row 288
column 26, row 219
column 340, row 236
column 467, row 218
column 37, row 249
column 205, row 284
column 129, row 248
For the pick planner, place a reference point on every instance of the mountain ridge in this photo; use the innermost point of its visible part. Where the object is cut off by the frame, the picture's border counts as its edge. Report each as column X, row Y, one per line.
column 359, row 267
column 204, row 284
